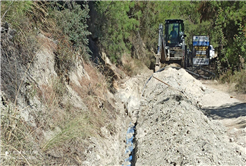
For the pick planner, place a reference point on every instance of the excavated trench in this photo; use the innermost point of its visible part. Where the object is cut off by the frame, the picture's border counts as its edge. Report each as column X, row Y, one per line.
column 134, row 152
column 169, row 126
column 131, row 146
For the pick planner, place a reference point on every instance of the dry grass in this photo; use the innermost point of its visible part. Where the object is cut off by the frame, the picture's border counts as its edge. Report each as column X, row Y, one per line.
column 18, row 136
column 47, row 43
column 93, row 93
column 132, row 66
column 240, row 79
column 78, row 128
column 237, row 78
column 96, row 86
column 25, row 144
column 18, row 141
column 52, row 93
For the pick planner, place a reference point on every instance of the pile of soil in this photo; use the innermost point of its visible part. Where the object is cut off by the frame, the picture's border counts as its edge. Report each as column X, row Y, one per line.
column 171, row 127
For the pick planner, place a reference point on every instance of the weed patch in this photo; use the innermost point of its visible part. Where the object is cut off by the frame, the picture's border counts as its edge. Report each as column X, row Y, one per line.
column 78, row 128
column 239, row 78
column 18, row 141
column 93, row 93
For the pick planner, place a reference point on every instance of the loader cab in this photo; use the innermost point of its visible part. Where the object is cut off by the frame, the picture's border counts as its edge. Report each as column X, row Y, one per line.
column 174, row 32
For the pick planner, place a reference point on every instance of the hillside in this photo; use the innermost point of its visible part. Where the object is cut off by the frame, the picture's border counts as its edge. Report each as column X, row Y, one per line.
column 47, row 118
column 78, row 88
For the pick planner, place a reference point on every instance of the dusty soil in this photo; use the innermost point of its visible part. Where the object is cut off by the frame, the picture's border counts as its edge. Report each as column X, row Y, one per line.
column 227, row 88
column 229, row 108
column 180, row 121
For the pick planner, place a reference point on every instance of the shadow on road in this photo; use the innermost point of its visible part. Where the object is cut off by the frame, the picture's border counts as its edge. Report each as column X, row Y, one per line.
column 226, row 111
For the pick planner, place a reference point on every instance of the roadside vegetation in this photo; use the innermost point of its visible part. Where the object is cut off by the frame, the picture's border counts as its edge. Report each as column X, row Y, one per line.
column 58, row 127
column 128, row 28
column 135, row 29
column 132, row 31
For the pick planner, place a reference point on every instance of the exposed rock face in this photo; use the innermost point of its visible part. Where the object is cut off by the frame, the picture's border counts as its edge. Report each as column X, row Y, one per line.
column 12, row 72
column 46, row 103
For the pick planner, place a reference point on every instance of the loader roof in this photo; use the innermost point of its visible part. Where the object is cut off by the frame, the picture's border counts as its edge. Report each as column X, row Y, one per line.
column 173, row 21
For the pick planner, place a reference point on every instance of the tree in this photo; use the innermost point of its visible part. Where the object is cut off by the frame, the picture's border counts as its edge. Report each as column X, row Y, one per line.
column 117, row 23
column 227, row 24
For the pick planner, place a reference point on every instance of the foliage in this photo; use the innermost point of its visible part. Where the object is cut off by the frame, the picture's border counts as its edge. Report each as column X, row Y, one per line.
column 73, row 22
column 227, row 28
column 12, row 11
column 70, row 30
column 117, row 24
column 223, row 21
column 236, row 48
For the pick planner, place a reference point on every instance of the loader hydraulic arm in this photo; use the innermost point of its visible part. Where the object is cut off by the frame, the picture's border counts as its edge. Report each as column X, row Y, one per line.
column 160, row 56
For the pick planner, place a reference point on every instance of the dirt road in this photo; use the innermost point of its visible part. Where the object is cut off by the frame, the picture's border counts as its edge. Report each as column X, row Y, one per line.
column 229, row 108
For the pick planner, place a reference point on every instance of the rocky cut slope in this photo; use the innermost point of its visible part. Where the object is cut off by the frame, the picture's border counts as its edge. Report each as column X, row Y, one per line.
column 52, row 119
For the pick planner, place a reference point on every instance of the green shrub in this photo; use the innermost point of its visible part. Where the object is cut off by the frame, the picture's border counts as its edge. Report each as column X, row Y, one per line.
column 240, row 79
column 73, row 22
column 117, row 25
